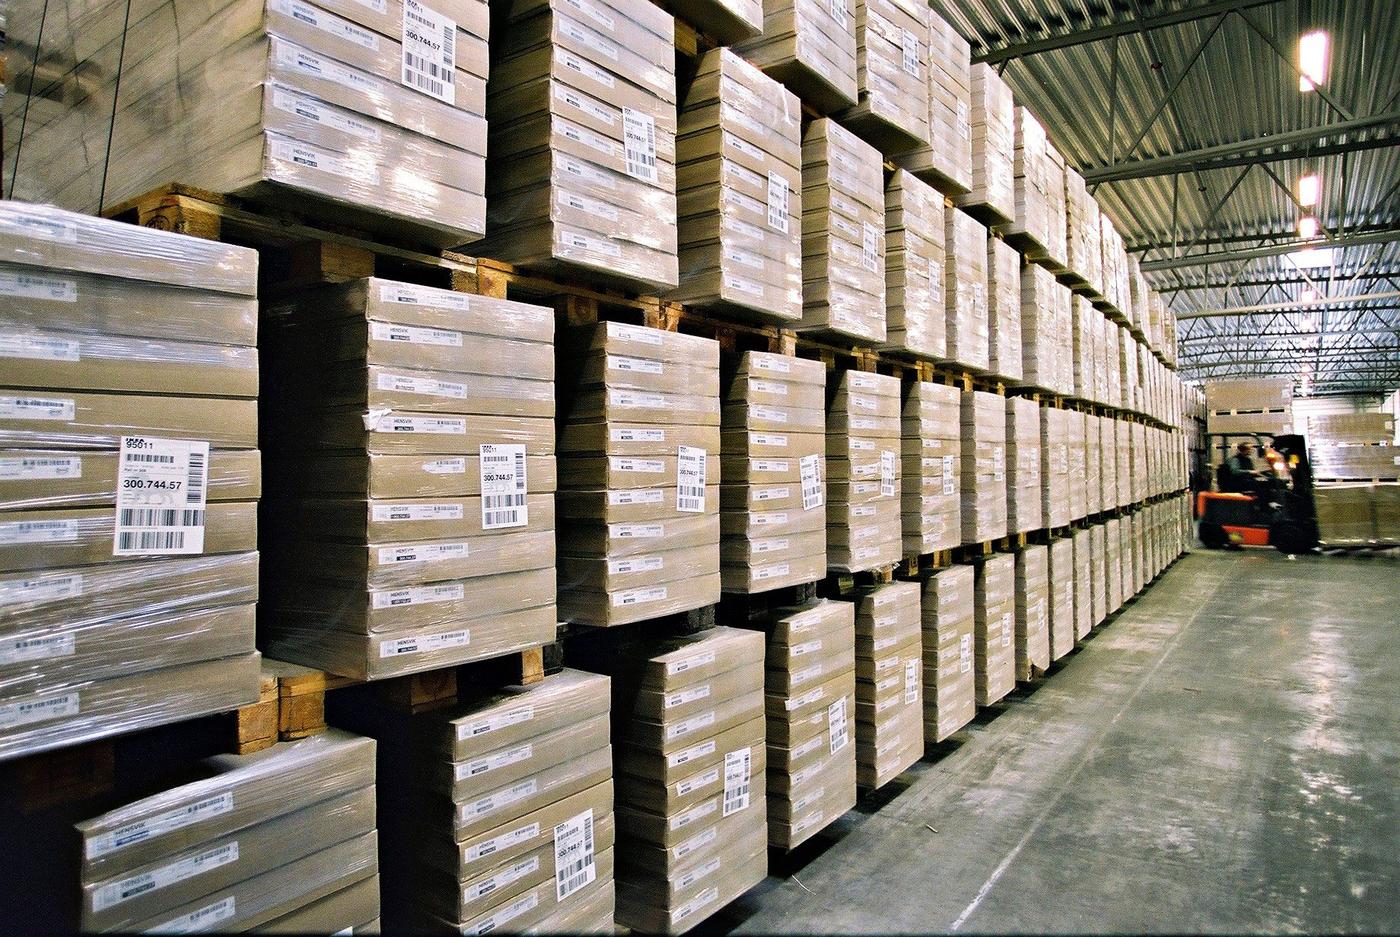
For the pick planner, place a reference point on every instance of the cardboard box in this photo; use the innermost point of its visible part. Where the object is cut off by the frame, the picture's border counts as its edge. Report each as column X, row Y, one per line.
column 914, row 263
column 1032, row 611
column 965, row 291
column 1062, row 597
column 994, row 636
column 1003, row 309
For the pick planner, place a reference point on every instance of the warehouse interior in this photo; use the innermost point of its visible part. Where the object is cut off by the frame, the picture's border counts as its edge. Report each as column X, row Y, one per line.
column 699, row 466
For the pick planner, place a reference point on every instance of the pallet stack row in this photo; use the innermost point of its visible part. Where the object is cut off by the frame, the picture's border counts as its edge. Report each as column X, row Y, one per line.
column 808, row 460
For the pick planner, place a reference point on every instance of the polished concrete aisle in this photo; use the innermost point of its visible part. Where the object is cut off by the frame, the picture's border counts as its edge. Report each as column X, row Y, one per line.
column 1225, row 756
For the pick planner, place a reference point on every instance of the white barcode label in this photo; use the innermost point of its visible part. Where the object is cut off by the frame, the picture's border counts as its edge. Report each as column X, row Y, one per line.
column 768, row 518
column 37, row 408
column 771, row 494
column 161, row 491
column 777, row 202
column 999, row 464
column 424, row 386
column 708, row 896
column 422, row 553
column 446, row 466
column 813, row 495
column 38, row 347
column 687, row 726
column 779, row 440
column 15, row 650
column 738, row 770
column 948, row 477
column 689, row 816
column 410, row 294
column 504, row 841
column 34, row 590
column 770, row 465
column 27, row 711
column 65, row 531
column 965, row 653
column 698, row 874
column 887, row 473
column 28, row 286
column 690, row 479
column 647, row 496
column 423, row 644
column 768, row 413
column 503, row 485
column 499, row 800
column 761, row 573
column 201, row 921
column 686, row 755
column 870, row 248
column 911, row 681
column 313, row 158
column 142, row 830
column 307, row 108
column 125, row 889
column 697, row 782
column 770, row 546
column 429, row 51
column 690, row 695
column 512, row 873
column 629, row 398
column 415, row 512
column 635, row 564
column 573, row 854
column 632, row 434
column 634, row 365
column 698, row 841
column 910, row 47
column 414, row 335
column 836, row 722
column 420, row 595
column 838, row 13
column 636, row 531
column 41, row 467
column 686, row 664
column 639, row 596
column 645, row 466
column 639, row 144
column 510, row 912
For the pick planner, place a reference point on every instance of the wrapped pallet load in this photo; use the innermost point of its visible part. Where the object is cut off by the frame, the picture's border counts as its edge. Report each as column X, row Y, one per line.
column 1003, row 310
column 914, row 265
column 889, row 662
column 413, row 528
column 843, row 234
column 863, row 462
column 1055, row 499
column 739, row 181
column 968, row 341
column 773, row 471
column 892, row 77
column 639, row 465
column 945, row 162
column 1061, row 597
column 992, row 195
column 931, row 458
column 949, row 626
column 1047, row 351
column 129, row 478
column 1032, row 611
column 994, row 640
column 1024, row 496
column 983, row 424
column 810, row 46
column 371, row 115
column 582, row 110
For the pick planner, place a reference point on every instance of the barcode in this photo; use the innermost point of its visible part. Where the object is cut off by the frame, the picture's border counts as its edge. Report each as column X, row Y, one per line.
column 194, row 487
column 419, row 80
column 151, row 540
column 692, row 497
column 639, row 144
column 160, row 517
column 150, row 457
column 502, row 510
column 575, row 875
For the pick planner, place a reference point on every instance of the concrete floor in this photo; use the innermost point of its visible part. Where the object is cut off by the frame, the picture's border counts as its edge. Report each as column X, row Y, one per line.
column 1221, row 757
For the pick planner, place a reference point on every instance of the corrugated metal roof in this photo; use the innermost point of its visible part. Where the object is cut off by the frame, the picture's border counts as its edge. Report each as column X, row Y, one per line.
column 1235, row 77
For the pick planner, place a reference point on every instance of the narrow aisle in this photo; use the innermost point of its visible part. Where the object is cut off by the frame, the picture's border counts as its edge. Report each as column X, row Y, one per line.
column 1221, row 757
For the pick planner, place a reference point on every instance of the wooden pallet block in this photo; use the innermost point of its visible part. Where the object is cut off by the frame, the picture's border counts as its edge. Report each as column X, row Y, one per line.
column 254, row 727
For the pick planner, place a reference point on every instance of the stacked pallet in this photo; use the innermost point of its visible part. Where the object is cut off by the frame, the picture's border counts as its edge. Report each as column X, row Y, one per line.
column 1047, row 350
column 993, row 643
column 931, row 459
column 773, row 496
column 1076, row 491
column 1055, row 500
column 496, row 814
column 914, row 264
column 864, row 528
column 965, row 291
column 1098, row 574
column 1024, row 492
column 129, row 478
column 948, row 628
column 1353, row 446
column 1113, row 564
column 810, row 702
column 946, row 162
column 892, row 76
column 889, row 703
column 639, row 508
column 1032, row 611
column 416, row 516
column 688, row 717
column 1082, row 254
column 1250, row 405
column 1056, row 253
column 1093, row 465
column 726, row 21
column 739, row 182
column 582, row 116
column 1083, row 585
column 1003, row 310
column 1061, row 569
column 843, row 228
column 282, row 840
column 370, row 114
column 983, row 466
column 1123, row 456
column 1034, row 180
column 993, row 144
column 810, row 46
column 1084, row 320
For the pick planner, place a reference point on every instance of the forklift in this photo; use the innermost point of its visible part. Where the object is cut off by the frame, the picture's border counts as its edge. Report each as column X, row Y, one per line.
column 1278, row 512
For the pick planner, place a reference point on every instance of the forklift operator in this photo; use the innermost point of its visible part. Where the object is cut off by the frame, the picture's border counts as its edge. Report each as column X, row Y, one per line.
column 1241, row 475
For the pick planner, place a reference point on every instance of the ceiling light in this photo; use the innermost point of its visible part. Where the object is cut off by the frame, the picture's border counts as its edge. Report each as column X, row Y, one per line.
column 1312, row 60
column 1311, row 257
column 1307, row 227
column 1309, row 295
column 1309, row 187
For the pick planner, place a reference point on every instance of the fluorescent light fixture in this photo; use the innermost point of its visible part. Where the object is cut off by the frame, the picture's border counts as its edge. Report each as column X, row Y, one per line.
column 1310, row 258
column 1307, row 227
column 1309, row 187
column 1309, row 295
column 1312, row 60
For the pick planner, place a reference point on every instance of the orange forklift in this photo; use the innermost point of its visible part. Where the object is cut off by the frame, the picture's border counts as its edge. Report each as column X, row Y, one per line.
column 1277, row 509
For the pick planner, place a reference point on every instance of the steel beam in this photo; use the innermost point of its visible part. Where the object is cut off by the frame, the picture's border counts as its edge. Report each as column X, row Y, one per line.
column 1322, row 302
column 1267, row 336
column 1272, row 250
column 1126, row 28
column 1246, row 152
column 1374, row 277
